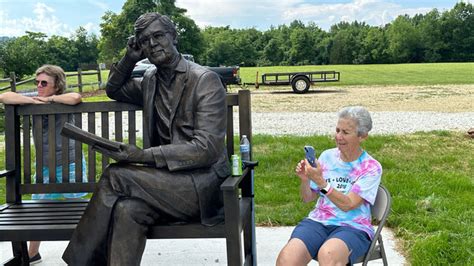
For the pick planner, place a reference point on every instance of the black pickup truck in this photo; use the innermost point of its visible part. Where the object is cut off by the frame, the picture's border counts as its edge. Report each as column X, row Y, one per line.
column 228, row 75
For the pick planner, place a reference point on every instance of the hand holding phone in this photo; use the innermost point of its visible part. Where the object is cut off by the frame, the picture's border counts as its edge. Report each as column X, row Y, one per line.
column 310, row 155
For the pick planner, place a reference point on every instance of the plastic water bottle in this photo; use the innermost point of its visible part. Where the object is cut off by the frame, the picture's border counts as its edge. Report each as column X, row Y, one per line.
column 245, row 148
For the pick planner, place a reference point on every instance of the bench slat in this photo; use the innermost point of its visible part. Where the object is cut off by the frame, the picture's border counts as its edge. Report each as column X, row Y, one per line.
column 57, row 188
column 51, row 148
column 38, row 125
column 42, row 222
column 43, row 214
column 41, row 210
column 49, row 205
column 78, row 150
column 26, row 150
column 65, row 217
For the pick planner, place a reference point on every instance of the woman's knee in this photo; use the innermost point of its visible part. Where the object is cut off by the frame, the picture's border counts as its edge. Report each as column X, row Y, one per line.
column 334, row 251
column 294, row 253
column 285, row 257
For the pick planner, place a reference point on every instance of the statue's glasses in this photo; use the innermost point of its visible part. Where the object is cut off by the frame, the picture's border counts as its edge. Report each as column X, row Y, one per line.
column 157, row 37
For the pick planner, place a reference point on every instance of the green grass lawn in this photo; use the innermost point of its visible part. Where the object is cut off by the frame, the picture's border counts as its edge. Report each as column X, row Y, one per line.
column 430, row 177
column 394, row 74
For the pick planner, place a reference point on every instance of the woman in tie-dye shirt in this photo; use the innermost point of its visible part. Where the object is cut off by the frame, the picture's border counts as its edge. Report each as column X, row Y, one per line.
column 345, row 182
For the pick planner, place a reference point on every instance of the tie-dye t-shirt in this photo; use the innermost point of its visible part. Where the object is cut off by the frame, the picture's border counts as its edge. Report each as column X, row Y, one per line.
column 361, row 176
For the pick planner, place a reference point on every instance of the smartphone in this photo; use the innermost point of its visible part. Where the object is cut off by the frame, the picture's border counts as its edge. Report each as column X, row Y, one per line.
column 310, row 155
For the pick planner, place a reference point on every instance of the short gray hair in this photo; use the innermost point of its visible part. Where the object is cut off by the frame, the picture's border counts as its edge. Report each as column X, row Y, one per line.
column 360, row 115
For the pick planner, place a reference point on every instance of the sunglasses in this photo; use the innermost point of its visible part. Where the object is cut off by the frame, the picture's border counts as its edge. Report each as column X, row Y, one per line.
column 43, row 83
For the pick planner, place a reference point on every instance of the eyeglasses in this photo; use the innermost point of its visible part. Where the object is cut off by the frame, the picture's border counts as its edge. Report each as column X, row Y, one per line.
column 158, row 36
column 43, row 83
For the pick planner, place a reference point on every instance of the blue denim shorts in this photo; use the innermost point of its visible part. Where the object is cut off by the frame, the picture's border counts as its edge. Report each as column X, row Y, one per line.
column 314, row 234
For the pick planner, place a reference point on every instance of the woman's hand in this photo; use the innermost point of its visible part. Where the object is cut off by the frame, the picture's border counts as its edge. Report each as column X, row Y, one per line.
column 305, row 190
column 301, row 172
column 42, row 100
column 314, row 173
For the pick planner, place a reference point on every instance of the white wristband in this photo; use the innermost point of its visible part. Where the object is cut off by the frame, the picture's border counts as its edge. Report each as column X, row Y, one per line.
column 326, row 189
column 328, row 186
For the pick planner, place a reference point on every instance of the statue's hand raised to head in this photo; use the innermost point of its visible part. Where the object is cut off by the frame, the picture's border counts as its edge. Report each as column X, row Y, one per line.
column 134, row 50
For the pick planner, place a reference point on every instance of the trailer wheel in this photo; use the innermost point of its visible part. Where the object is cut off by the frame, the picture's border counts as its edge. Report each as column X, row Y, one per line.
column 300, row 84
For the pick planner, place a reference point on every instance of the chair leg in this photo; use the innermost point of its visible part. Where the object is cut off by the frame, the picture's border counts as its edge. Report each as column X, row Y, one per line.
column 382, row 251
column 20, row 254
column 249, row 240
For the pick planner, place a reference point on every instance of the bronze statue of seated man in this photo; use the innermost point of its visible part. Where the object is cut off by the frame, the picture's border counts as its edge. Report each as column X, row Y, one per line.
column 176, row 176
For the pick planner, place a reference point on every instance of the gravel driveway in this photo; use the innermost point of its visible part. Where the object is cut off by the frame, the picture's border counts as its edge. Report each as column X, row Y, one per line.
column 311, row 123
column 383, row 122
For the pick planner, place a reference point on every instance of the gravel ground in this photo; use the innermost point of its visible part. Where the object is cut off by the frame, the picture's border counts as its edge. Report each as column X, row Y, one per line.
column 383, row 122
column 324, row 123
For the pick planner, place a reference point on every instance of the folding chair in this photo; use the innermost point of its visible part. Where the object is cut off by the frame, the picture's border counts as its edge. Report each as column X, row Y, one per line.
column 380, row 211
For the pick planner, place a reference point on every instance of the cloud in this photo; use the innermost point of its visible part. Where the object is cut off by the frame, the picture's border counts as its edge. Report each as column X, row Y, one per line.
column 237, row 14
column 248, row 13
column 43, row 21
column 373, row 12
column 91, row 28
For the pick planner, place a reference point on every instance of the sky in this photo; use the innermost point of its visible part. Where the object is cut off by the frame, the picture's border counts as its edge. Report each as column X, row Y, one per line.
column 64, row 17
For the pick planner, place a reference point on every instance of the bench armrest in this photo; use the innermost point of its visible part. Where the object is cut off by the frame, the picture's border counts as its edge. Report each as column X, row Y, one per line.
column 4, row 173
column 232, row 182
column 250, row 164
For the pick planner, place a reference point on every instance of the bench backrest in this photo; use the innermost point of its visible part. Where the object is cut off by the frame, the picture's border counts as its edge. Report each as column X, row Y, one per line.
column 106, row 119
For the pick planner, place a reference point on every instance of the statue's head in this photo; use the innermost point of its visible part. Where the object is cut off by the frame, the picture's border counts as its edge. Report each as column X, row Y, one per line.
column 156, row 35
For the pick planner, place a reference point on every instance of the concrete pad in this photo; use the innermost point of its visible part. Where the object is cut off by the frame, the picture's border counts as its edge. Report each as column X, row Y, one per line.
column 270, row 240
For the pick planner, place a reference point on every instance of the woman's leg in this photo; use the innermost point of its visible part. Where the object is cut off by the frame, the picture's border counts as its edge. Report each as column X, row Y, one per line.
column 305, row 241
column 294, row 253
column 33, row 248
column 333, row 252
column 344, row 245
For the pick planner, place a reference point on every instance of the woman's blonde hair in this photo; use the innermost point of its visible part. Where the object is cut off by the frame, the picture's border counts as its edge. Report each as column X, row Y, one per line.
column 57, row 73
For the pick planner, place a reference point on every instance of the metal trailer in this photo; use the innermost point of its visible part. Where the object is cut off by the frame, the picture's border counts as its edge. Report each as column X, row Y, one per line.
column 300, row 81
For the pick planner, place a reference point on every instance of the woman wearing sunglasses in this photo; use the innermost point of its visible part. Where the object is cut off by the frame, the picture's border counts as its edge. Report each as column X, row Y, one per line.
column 50, row 83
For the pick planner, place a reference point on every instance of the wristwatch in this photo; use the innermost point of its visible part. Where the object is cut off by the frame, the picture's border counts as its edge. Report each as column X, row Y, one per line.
column 325, row 189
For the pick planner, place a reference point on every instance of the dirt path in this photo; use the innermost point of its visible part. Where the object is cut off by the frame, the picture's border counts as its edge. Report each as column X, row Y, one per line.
column 438, row 98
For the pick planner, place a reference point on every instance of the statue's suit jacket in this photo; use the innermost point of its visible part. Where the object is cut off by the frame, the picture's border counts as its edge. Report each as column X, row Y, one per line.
column 197, row 126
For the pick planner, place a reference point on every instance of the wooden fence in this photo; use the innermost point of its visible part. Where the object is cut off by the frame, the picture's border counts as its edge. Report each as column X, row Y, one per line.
column 80, row 84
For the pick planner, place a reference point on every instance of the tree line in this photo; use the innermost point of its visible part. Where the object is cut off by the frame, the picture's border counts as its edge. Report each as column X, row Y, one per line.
column 23, row 55
column 432, row 37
